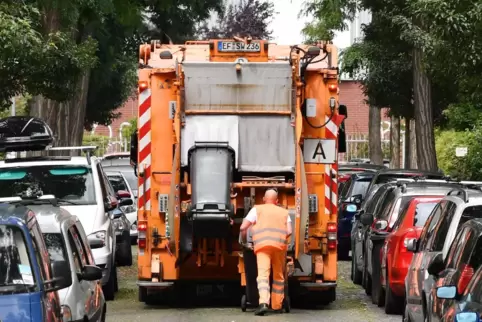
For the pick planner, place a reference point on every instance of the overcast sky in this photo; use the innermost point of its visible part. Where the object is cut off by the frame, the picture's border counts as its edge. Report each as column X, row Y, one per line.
column 287, row 27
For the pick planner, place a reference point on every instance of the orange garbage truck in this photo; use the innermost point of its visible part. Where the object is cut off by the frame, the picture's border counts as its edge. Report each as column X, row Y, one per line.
column 219, row 122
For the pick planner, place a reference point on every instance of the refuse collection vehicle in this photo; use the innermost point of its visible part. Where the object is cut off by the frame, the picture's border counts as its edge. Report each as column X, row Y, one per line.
column 219, row 122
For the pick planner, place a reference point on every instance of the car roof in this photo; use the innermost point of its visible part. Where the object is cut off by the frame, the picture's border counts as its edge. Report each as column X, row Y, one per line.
column 413, row 188
column 40, row 161
column 50, row 218
column 362, row 175
column 409, row 171
column 116, row 155
column 114, row 173
column 361, row 166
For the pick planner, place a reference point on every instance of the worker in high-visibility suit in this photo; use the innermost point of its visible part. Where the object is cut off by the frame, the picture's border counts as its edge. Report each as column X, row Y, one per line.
column 271, row 228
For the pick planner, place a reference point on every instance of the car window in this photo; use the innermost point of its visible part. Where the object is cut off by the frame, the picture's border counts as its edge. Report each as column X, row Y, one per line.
column 345, row 188
column 443, row 226
column 476, row 257
column 469, row 213
column 56, row 247
column 117, row 182
column 386, row 206
column 70, row 182
column 457, row 248
column 106, row 181
column 75, row 253
column 40, row 248
column 401, row 217
column 359, row 187
column 429, row 227
column 131, row 179
column 18, row 269
column 422, row 212
column 80, row 246
column 374, row 201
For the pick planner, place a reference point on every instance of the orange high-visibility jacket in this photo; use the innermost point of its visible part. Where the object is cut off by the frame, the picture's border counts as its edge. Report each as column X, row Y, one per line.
column 270, row 229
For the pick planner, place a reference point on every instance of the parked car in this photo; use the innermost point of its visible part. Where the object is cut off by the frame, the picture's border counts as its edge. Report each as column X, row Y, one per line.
column 459, row 206
column 468, row 306
column 66, row 242
column 389, row 175
column 121, row 162
column 379, row 224
column 123, row 239
column 350, row 198
column 345, row 170
column 29, row 281
column 121, row 185
column 395, row 256
column 463, row 259
column 369, row 206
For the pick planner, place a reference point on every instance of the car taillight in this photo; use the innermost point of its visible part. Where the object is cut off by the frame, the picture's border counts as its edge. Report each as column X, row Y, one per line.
column 331, row 229
column 465, row 278
column 141, row 234
column 405, row 239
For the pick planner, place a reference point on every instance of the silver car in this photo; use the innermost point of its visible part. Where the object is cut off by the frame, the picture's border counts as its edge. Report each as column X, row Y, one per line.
column 66, row 240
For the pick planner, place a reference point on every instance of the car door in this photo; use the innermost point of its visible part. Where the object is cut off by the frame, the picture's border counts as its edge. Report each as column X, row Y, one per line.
column 87, row 289
column 414, row 275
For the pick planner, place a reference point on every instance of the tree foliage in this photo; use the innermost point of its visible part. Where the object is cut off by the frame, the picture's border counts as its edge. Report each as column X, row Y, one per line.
column 246, row 18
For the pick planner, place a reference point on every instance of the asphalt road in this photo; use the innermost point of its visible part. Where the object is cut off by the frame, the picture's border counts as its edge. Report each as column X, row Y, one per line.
column 351, row 305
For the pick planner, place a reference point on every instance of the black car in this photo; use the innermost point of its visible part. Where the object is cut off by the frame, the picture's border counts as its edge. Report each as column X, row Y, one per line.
column 463, row 260
column 389, row 175
column 379, row 224
column 369, row 206
column 353, row 192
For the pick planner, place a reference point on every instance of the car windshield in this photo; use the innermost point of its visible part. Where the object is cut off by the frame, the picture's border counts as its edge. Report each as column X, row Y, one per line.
column 132, row 179
column 73, row 183
column 56, row 247
column 422, row 212
column 15, row 268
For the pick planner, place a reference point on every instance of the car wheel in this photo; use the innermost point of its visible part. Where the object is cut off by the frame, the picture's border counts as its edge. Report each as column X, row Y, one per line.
column 378, row 297
column 116, row 280
column 367, row 279
column 357, row 275
column 109, row 288
column 393, row 303
column 125, row 251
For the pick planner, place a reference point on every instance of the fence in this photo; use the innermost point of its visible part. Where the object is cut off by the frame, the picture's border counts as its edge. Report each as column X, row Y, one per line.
column 357, row 147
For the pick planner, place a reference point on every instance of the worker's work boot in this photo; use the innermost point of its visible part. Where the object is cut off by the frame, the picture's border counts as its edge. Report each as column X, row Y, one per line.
column 262, row 309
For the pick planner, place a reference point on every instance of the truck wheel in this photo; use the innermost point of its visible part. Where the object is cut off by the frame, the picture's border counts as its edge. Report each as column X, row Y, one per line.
column 109, row 288
column 142, row 294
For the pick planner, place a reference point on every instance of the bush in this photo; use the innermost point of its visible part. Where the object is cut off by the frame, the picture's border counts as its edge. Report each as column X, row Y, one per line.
column 465, row 168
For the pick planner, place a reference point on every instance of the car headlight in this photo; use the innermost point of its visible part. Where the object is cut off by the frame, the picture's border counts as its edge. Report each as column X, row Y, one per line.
column 66, row 313
column 97, row 239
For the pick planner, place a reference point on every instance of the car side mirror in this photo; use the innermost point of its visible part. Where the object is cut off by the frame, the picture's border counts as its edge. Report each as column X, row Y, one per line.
column 110, row 205
column 356, row 199
column 381, row 225
column 122, row 194
column 126, row 202
column 436, row 265
column 447, row 292
column 366, row 219
column 62, row 277
column 467, row 317
column 91, row 273
column 412, row 245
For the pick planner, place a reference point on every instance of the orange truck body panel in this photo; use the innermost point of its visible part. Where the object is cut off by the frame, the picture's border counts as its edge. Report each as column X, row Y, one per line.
column 161, row 83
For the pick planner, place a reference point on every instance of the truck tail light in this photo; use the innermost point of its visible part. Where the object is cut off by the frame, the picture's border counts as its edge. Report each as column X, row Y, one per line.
column 142, row 86
column 141, row 234
column 332, row 230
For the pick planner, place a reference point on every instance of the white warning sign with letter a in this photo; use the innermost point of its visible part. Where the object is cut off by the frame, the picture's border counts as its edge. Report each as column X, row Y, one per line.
column 320, row 151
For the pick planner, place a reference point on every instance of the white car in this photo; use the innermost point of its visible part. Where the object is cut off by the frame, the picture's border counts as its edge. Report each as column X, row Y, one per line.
column 82, row 188
column 66, row 241
column 120, row 183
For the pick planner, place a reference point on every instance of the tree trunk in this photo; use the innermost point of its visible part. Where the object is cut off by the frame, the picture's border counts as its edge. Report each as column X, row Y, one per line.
column 374, row 136
column 413, row 146
column 395, row 142
column 406, row 142
column 66, row 119
column 426, row 155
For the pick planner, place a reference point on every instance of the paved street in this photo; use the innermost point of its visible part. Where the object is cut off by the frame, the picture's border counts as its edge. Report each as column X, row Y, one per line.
column 352, row 305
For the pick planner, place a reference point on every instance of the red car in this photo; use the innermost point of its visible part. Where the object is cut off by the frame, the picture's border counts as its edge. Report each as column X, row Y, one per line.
column 395, row 257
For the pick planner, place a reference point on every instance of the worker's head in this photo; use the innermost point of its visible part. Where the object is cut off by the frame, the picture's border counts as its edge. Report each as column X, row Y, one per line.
column 271, row 196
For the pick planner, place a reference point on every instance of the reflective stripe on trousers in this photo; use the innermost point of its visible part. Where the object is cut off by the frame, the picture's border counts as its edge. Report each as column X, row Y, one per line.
column 269, row 258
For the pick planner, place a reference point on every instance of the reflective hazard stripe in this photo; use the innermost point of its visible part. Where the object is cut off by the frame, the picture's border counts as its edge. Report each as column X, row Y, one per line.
column 331, row 132
column 279, row 283
column 270, row 230
column 144, row 148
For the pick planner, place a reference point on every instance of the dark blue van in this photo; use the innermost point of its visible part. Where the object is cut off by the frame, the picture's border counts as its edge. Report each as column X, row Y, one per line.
column 28, row 282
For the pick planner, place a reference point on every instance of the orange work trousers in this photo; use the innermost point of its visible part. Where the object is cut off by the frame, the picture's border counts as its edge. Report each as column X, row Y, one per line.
column 268, row 258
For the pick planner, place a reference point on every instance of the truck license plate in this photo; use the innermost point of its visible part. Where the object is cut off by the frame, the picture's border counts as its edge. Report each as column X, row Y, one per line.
column 232, row 46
